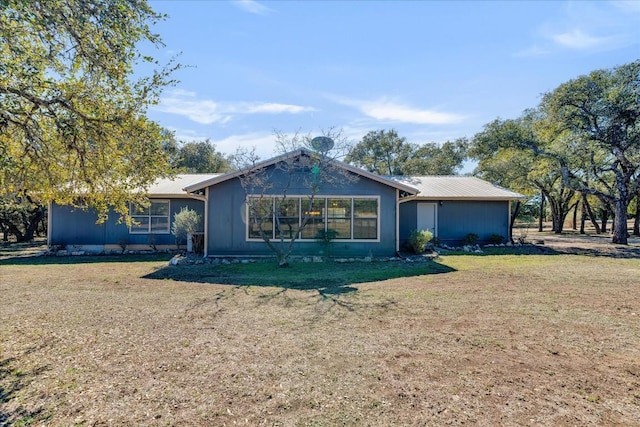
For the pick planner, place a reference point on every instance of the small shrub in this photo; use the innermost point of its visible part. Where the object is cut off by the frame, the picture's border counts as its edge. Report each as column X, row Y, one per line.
column 185, row 222
column 325, row 237
column 495, row 239
column 470, row 239
column 418, row 240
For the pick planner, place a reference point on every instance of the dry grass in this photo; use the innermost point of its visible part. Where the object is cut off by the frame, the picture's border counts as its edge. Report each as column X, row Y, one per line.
column 500, row 339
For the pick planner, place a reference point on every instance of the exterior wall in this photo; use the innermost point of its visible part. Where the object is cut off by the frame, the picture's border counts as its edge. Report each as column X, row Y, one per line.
column 227, row 226
column 76, row 227
column 457, row 218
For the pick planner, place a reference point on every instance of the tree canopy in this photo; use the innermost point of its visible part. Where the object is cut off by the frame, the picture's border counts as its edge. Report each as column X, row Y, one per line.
column 386, row 153
column 583, row 137
column 196, row 157
column 599, row 116
column 73, row 125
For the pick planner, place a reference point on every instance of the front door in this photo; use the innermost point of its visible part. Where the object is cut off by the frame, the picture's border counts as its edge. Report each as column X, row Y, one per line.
column 427, row 217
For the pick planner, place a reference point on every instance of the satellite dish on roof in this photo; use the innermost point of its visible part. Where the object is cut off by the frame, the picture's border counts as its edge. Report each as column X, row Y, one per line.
column 322, row 143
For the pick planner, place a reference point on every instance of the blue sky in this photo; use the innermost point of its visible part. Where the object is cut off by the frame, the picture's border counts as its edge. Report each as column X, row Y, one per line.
column 434, row 71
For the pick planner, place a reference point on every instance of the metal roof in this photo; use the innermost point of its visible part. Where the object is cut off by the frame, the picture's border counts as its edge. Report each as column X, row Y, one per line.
column 457, row 187
column 427, row 187
column 174, row 187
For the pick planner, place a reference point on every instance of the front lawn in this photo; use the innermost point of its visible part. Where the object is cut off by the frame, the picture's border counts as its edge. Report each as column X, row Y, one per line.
column 494, row 339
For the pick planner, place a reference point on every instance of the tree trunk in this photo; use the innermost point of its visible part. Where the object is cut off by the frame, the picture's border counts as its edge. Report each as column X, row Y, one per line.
column 540, row 217
column 620, row 231
column 575, row 216
column 604, row 218
column 585, row 203
column 636, row 221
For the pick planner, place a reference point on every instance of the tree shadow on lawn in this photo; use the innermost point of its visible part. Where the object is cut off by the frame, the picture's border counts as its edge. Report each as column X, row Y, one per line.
column 83, row 259
column 612, row 251
column 327, row 278
column 12, row 380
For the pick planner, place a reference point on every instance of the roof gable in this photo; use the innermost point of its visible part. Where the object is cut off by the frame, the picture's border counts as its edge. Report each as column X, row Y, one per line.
column 287, row 156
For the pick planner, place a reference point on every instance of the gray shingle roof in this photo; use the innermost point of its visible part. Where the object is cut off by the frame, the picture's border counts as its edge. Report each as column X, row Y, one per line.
column 457, row 187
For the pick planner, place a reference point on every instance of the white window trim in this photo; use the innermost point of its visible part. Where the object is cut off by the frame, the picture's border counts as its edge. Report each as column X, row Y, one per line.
column 324, row 196
column 153, row 216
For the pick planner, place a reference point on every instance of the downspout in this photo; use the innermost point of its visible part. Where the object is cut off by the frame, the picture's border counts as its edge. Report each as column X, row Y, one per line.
column 49, row 222
column 509, row 224
column 397, row 220
column 204, row 199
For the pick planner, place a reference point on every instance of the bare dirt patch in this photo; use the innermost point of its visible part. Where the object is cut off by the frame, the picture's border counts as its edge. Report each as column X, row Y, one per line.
column 492, row 340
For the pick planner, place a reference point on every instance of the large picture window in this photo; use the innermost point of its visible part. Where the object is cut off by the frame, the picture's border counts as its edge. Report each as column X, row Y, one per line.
column 353, row 218
column 152, row 219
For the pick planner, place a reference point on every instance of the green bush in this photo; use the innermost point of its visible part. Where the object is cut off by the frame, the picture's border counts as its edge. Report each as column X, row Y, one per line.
column 325, row 237
column 495, row 239
column 470, row 239
column 418, row 239
column 185, row 222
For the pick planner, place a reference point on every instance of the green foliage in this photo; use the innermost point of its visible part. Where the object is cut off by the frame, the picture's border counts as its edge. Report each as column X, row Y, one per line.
column 326, row 237
column 73, row 124
column 470, row 239
column 185, row 222
column 382, row 152
column 495, row 239
column 385, row 153
column 418, row 239
column 20, row 216
column 437, row 159
column 199, row 157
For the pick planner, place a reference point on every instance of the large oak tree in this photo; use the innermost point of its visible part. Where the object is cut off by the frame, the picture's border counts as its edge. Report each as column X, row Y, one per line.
column 73, row 125
column 599, row 114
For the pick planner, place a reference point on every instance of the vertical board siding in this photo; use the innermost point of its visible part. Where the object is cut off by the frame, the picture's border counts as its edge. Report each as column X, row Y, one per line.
column 72, row 226
column 457, row 218
column 228, row 229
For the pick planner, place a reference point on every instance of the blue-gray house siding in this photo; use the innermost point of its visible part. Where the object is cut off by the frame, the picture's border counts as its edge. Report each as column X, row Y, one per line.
column 227, row 222
column 457, row 218
column 71, row 226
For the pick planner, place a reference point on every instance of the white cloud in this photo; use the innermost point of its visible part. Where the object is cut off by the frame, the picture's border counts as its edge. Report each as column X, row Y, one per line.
column 579, row 40
column 391, row 111
column 205, row 111
column 263, row 142
column 252, row 6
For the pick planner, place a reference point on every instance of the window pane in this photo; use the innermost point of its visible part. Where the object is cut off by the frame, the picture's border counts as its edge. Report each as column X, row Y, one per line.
column 365, row 219
column 160, row 224
column 315, row 221
column 136, row 209
column 160, row 208
column 287, row 217
column 260, row 217
column 339, row 217
column 140, row 224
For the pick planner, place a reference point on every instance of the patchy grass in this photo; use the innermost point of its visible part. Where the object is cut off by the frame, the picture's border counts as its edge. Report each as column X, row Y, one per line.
column 498, row 339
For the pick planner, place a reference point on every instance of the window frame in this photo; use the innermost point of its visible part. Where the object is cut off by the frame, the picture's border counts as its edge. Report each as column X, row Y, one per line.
column 149, row 217
column 301, row 203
